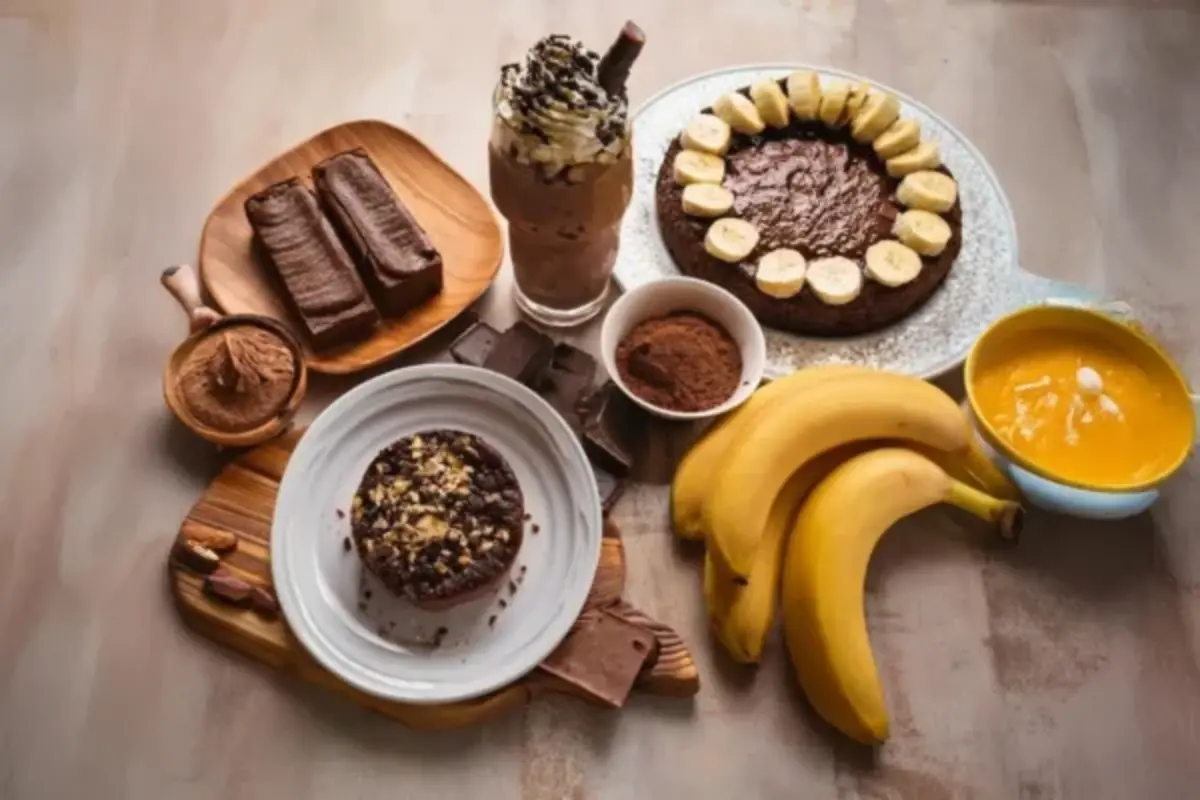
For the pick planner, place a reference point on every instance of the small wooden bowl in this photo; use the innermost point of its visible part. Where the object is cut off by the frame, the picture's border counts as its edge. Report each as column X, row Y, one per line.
column 203, row 321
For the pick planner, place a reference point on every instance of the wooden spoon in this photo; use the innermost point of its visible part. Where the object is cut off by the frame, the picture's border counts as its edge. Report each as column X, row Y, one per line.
column 182, row 283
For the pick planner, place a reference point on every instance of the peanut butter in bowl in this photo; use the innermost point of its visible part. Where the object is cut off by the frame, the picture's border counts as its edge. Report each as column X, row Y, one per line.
column 1080, row 399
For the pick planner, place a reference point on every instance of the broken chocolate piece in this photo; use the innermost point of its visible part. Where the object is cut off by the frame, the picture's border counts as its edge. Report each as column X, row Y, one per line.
column 395, row 256
column 228, row 588
column 521, row 353
column 316, row 271
column 602, row 656
column 608, row 430
column 566, row 381
column 263, row 601
column 194, row 556
column 475, row 344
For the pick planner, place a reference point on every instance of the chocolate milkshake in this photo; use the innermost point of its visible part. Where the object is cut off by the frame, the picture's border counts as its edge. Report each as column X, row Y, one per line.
column 562, row 172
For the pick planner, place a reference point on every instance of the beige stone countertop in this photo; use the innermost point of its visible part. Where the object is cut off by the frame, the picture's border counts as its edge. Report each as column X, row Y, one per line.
column 1067, row 668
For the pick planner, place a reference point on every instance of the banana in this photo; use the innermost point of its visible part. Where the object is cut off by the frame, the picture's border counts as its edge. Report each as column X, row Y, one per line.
column 928, row 191
column 770, row 101
column 780, row 273
column 923, row 231
column 804, row 94
column 891, row 263
column 741, row 613
column 877, row 115
column 973, row 468
column 706, row 200
column 736, row 109
column 692, row 485
column 730, row 239
column 708, row 134
column 834, row 280
column 924, row 156
column 692, row 166
column 825, row 570
column 857, row 99
column 810, row 421
column 833, row 102
column 903, row 135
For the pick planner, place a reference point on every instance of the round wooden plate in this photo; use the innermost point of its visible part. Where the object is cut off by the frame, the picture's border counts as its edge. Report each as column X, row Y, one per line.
column 451, row 210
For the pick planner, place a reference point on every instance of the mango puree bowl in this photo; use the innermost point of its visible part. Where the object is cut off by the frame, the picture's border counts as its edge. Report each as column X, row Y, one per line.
column 1057, row 492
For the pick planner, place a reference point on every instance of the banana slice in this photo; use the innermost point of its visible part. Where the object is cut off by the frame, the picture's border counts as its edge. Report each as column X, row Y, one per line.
column 902, row 136
column 923, row 156
column 708, row 134
column 769, row 100
column 923, row 231
column 781, row 273
column 730, row 239
column 892, row 264
column 736, row 109
column 833, row 102
column 692, row 166
column 835, row 281
column 877, row 115
column 706, row 200
column 928, row 191
column 804, row 94
column 857, row 99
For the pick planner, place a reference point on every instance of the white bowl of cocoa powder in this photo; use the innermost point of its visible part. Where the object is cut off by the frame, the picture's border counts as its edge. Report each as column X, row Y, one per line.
column 683, row 349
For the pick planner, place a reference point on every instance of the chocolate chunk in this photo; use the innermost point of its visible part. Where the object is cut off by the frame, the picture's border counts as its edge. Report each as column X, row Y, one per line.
column 315, row 269
column 395, row 256
column 602, row 656
column 566, row 381
column 195, row 557
column 475, row 344
column 614, row 68
column 608, row 430
column 521, row 353
column 228, row 588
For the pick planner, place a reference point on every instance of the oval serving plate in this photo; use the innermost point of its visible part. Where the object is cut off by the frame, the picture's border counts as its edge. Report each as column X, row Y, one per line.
column 984, row 283
column 385, row 646
column 451, row 210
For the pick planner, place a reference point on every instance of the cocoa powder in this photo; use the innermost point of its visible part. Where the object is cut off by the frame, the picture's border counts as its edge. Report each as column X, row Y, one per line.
column 238, row 378
column 681, row 362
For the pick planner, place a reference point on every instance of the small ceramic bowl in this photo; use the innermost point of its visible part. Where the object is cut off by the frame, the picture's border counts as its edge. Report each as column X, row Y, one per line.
column 662, row 297
column 1041, row 487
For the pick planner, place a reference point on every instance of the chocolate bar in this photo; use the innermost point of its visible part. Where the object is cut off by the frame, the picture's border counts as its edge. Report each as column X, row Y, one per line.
column 475, row 344
column 395, row 257
column 315, row 269
column 608, row 430
column 521, row 353
column 603, row 655
column 566, row 381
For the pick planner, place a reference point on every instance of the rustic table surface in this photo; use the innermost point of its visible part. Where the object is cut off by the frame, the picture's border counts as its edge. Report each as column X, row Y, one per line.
column 1069, row 667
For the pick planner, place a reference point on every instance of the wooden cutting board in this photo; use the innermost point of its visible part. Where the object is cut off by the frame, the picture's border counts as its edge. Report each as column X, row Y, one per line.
column 240, row 501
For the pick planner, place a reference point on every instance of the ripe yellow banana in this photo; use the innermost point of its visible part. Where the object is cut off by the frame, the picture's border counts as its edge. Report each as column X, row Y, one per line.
column 974, row 468
column 742, row 612
column 695, row 476
column 825, row 569
column 809, row 421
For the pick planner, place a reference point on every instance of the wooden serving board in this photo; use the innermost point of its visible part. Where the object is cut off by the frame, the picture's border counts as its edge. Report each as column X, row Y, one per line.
column 449, row 208
column 240, row 501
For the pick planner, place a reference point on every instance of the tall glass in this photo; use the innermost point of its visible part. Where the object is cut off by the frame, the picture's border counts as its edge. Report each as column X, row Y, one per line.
column 564, row 224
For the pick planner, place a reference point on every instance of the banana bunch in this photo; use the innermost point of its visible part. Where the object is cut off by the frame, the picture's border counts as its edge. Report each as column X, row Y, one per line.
column 792, row 491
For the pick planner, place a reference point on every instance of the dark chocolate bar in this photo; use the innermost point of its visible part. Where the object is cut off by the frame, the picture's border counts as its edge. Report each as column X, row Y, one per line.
column 521, row 353
column 475, row 344
column 566, row 381
column 315, row 269
column 608, row 430
column 396, row 258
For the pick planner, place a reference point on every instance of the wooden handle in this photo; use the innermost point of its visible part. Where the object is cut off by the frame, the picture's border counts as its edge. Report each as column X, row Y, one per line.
column 184, row 286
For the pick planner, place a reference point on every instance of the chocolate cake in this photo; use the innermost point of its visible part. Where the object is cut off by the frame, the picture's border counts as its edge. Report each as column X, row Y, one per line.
column 813, row 188
column 438, row 517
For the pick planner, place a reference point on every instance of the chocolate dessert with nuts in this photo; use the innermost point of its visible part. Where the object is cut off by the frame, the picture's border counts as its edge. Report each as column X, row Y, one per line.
column 438, row 517
column 814, row 202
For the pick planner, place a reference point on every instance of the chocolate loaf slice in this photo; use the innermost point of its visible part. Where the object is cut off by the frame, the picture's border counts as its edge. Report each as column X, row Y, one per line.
column 315, row 269
column 395, row 257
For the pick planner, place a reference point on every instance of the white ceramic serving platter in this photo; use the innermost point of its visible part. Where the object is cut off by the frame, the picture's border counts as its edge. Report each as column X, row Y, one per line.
column 384, row 648
column 984, row 284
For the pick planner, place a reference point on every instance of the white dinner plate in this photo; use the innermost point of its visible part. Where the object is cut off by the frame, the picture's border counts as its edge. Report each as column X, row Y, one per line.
column 385, row 646
column 984, row 284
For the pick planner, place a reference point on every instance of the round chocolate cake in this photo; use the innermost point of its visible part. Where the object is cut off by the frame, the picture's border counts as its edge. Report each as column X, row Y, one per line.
column 438, row 517
column 806, row 185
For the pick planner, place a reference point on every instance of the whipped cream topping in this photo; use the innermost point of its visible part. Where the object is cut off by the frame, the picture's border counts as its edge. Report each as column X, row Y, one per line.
column 554, row 110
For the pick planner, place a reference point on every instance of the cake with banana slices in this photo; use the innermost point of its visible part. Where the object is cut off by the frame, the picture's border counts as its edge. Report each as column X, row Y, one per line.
column 816, row 204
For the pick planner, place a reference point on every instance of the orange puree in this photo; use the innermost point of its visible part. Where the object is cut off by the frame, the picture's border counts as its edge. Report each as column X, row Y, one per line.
column 1082, row 410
